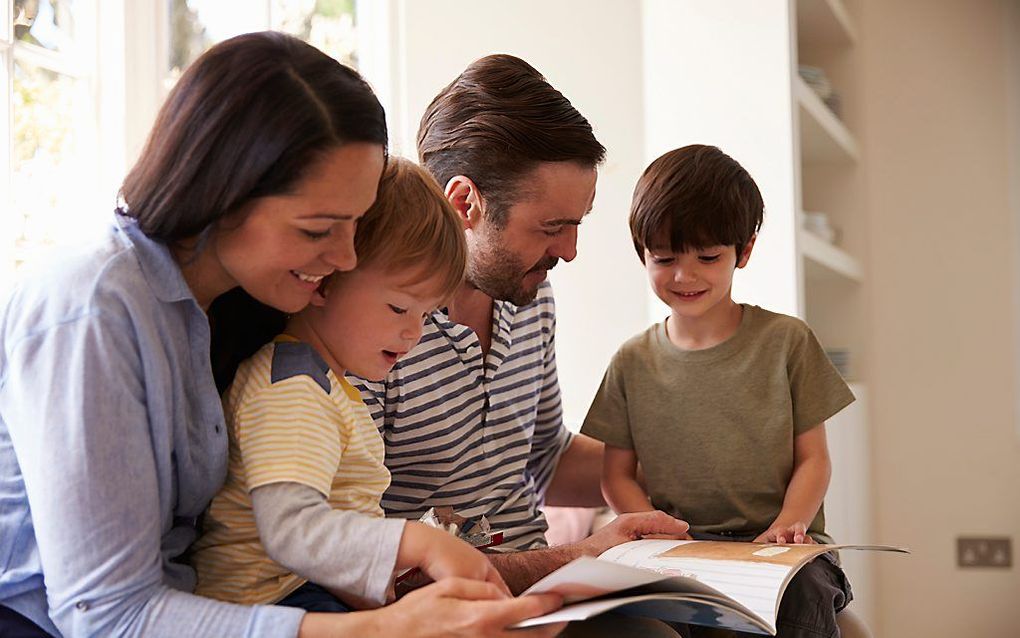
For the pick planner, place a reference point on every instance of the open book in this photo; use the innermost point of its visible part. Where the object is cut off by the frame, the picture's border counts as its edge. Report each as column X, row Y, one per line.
column 718, row 584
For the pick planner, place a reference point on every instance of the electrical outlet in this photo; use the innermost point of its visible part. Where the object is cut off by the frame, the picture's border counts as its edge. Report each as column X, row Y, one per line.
column 984, row 552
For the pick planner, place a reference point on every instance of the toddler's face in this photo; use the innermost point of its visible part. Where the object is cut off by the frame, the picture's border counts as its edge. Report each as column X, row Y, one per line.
column 370, row 318
column 694, row 283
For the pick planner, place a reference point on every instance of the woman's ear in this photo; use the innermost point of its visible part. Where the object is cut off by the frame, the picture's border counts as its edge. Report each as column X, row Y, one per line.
column 745, row 254
column 462, row 193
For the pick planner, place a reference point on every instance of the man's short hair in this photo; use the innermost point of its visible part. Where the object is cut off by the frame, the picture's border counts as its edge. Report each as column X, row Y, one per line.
column 495, row 123
column 692, row 198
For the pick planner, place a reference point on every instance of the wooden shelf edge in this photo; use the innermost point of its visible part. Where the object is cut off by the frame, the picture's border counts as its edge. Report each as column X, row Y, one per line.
column 825, row 22
column 834, row 260
column 836, row 143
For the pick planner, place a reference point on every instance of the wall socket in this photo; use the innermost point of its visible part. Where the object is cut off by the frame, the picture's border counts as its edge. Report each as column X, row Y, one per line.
column 984, row 552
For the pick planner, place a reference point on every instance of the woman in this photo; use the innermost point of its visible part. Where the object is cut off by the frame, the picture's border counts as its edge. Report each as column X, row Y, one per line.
column 112, row 442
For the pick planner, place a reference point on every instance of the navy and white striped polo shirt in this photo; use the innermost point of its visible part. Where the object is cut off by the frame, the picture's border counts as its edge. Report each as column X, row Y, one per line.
column 481, row 437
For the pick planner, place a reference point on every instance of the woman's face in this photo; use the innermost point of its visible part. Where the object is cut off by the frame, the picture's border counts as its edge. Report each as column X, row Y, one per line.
column 280, row 247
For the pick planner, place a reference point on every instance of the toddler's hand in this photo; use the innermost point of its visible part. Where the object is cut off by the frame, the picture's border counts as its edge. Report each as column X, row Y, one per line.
column 781, row 533
column 440, row 555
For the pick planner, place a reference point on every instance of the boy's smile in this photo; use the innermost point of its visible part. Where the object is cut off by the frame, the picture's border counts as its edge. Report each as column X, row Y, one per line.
column 696, row 285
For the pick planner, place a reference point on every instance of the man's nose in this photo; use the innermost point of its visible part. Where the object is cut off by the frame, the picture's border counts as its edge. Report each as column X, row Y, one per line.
column 565, row 247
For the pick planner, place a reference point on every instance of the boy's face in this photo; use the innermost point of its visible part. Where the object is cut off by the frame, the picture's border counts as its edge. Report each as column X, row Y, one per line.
column 369, row 318
column 695, row 283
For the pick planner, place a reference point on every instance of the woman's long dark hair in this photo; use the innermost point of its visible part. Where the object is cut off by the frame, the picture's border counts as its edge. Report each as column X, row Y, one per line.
column 246, row 120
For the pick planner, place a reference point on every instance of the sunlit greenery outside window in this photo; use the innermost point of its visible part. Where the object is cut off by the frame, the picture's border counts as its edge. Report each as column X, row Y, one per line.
column 52, row 109
column 196, row 25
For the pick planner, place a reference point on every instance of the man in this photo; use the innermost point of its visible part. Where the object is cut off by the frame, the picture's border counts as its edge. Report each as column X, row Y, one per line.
column 472, row 416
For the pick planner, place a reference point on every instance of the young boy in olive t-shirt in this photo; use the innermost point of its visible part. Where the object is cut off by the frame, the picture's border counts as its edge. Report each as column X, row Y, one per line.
column 723, row 404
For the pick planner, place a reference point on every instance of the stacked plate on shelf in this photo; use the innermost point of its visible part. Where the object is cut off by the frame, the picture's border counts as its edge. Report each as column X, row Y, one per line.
column 815, row 78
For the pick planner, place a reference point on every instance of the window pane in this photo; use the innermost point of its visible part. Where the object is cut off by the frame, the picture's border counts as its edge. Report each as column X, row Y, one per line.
column 51, row 181
column 326, row 24
column 196, row 25
column 45, row 23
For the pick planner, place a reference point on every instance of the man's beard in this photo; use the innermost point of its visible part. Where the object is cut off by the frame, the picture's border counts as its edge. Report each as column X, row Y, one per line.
column 499, row 273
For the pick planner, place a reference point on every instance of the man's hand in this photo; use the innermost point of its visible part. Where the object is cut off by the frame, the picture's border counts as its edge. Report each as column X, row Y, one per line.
column 634, row 526
column 783, row 533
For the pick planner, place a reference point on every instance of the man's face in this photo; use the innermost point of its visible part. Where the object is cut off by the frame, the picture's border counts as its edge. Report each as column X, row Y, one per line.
column 509, row 263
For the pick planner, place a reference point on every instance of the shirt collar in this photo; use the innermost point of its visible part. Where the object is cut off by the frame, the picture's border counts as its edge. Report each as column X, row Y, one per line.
column 158, row 265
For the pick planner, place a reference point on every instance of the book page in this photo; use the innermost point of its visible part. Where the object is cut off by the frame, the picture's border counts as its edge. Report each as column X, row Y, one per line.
column 724, row 566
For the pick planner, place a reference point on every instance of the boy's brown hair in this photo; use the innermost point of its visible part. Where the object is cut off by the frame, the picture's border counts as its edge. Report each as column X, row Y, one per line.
column 411, row 226
column 494, row 123
column 692, row 198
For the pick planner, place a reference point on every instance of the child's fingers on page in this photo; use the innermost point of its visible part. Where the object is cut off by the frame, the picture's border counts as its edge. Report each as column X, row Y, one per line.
column 799, row 531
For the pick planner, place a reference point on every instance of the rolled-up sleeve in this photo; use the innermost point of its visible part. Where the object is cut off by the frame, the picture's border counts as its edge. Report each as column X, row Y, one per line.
column 74, row 399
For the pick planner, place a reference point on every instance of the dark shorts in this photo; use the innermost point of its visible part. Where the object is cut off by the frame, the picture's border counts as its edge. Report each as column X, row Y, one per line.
column 14, row 625
column 312, row 597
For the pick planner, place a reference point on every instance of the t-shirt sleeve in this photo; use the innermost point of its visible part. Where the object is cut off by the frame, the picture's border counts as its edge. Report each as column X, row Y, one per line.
column 289, row 432
column 817, row 390
column 607, row 418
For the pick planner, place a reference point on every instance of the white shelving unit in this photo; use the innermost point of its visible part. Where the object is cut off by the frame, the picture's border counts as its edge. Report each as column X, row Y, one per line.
column 824, row 138
column 824, row 23
column 827, row 156
column 823, row 261
column 832, row 277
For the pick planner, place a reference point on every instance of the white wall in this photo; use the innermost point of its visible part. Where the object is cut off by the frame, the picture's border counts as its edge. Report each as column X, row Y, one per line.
column 590, row 50
column 943, row 323
column 719, row 73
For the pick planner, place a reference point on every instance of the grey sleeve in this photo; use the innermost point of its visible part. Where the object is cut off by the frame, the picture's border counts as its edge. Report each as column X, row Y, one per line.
column 338, row 549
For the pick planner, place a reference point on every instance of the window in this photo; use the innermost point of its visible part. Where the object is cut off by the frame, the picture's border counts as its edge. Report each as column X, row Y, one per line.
column 67, row 144
column 195, row 25
column 49, row 125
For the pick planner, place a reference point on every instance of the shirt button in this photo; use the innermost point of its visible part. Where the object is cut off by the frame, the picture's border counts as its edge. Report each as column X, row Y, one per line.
column 217, row 428
column 82, row 606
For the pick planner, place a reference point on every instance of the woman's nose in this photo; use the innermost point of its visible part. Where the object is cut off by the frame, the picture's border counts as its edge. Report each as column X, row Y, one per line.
column 340, row 253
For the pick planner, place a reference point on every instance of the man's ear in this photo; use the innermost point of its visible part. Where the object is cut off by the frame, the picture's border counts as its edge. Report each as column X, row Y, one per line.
column 745, row 254
column 466, row 200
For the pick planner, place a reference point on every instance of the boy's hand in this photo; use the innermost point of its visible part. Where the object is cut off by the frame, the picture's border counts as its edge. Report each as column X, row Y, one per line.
column 441, row 555
column 781, row 533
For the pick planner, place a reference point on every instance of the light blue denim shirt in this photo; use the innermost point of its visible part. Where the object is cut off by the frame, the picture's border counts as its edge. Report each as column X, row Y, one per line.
column 111, row 445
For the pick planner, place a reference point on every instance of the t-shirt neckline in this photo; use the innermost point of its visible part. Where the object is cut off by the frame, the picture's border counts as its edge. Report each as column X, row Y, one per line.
column 732, row 344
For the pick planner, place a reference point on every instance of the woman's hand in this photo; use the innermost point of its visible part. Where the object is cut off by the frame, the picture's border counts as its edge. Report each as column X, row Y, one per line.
column 461, row 607
column 453, row 607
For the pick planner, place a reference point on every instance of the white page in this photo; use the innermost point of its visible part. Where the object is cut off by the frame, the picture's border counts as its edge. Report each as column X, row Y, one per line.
column 755, row 586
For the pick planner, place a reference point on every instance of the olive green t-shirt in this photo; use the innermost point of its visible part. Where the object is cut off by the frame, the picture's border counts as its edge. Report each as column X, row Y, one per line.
column 713, row 429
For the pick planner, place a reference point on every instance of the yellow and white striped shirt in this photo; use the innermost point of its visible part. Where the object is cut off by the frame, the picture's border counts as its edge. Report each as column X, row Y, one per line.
column 290, row 420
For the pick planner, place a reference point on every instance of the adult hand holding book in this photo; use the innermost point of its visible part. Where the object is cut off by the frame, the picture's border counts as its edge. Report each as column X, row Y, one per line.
column 632, row 527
